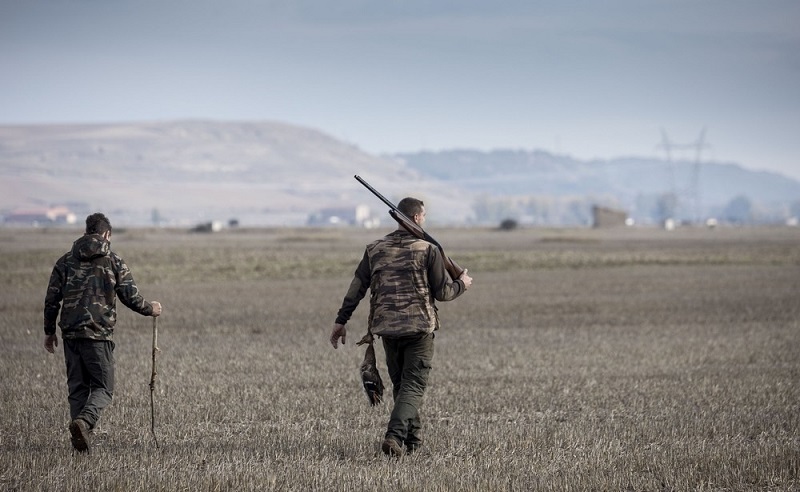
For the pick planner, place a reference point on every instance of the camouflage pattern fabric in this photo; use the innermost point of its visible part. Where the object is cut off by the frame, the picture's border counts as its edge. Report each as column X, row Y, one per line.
column 84, row 285
column 406, row 275
column 401, row 302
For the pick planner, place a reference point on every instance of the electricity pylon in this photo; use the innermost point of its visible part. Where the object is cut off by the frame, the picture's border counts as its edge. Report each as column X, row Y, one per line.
column 693, row 190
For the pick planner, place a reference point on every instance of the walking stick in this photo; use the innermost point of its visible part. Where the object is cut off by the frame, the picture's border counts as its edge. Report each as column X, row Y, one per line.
column 153, row 381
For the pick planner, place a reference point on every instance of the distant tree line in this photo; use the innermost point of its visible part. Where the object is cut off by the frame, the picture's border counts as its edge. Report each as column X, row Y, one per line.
column 646, row 209
column 537, row 210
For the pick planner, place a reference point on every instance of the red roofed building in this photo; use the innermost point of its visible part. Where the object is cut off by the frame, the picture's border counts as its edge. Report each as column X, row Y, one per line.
column 41, row 216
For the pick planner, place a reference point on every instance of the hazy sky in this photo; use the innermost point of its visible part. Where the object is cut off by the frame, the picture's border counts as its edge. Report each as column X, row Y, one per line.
column 591, row 79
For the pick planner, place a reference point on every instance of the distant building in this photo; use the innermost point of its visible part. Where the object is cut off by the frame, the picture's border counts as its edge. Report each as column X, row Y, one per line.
column 41, row 216
column 603, row 217
column 359, row 215
column 213, row 226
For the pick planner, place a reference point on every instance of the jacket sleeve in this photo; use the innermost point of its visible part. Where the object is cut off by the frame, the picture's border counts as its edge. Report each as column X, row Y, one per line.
column 444, row 288
column 53, row 298
column 356, row 292
column 127, row 291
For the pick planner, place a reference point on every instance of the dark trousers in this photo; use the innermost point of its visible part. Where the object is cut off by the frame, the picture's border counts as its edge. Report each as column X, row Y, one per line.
column 408, row 360
column 90, row 377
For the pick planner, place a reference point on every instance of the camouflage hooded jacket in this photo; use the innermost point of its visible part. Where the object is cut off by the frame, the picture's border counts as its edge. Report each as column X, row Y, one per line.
column 84, row 285
column 405, row 276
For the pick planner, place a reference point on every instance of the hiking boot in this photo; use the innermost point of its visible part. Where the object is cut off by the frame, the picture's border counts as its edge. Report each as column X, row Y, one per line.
column 391, row 447
column 80, row 435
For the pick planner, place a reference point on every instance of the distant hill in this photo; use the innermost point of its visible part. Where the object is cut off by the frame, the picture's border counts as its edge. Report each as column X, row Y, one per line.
column 269, row 173
column 633, row 184
column 505, row 172
column 193, row 171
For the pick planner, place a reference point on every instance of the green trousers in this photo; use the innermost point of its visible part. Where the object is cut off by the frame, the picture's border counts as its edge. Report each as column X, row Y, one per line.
column 408, row 360
column 90, row 377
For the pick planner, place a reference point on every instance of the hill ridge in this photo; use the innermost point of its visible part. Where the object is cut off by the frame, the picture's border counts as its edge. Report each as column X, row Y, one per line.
column 273, row 173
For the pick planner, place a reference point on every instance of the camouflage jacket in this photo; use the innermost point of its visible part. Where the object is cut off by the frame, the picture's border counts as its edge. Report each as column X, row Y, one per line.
column 84, row 285
column 405, row 276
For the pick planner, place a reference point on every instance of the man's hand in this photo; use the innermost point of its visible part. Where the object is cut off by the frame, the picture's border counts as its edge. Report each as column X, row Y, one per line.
column 466, row 279
column 50, row 342
column 156, row 308
column 338, row 331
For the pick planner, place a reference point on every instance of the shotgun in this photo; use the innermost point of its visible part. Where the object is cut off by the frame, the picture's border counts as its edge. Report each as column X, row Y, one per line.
column 452, row 268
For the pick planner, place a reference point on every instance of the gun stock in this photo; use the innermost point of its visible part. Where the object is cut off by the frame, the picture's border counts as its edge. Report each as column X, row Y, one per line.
column 413, row 228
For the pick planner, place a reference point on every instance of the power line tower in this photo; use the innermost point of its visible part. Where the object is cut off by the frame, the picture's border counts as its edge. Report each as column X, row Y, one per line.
column 692, row 191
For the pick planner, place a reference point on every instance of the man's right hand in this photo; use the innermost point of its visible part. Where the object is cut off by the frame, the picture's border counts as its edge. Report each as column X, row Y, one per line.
column 50, row 342
column 339, row 331
column 466, row 279
column 156, row 308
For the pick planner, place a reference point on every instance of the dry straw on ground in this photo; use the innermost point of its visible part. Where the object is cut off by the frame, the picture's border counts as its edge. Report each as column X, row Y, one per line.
column 580, row 360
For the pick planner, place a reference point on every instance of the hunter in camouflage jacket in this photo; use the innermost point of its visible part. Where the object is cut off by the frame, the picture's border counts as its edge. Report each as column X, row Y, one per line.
column 83, row 286
column 405, row 275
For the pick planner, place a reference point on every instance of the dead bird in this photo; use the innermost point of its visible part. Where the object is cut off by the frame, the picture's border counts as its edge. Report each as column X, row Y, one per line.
column 370, row 377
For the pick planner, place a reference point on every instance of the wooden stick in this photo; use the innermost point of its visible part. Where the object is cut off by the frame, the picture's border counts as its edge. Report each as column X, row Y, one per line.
column 153, row 381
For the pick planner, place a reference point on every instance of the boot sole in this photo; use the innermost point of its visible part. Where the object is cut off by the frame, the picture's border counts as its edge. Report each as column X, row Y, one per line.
column 80, row 438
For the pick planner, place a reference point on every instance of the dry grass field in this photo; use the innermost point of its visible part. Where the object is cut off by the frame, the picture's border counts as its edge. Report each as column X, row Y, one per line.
column 580, row 360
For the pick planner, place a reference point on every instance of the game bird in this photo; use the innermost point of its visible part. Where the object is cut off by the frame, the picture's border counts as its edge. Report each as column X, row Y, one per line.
column 370, row 377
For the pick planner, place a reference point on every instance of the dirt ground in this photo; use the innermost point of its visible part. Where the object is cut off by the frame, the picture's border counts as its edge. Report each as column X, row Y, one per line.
column 636, row 359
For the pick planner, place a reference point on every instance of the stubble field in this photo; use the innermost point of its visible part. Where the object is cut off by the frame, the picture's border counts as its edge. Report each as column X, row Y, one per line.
column 631, row 359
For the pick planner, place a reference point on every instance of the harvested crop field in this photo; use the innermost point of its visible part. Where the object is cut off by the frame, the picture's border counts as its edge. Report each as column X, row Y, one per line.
column 629, row 359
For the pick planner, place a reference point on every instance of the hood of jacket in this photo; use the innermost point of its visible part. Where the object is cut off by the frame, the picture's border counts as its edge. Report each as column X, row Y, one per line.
column 90, row 246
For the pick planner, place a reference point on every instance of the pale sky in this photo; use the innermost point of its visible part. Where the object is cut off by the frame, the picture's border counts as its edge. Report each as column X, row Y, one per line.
column 590, row 79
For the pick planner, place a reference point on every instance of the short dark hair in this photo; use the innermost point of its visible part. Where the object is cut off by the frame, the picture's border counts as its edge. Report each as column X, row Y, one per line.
column 97, row 224
column 410, row 207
